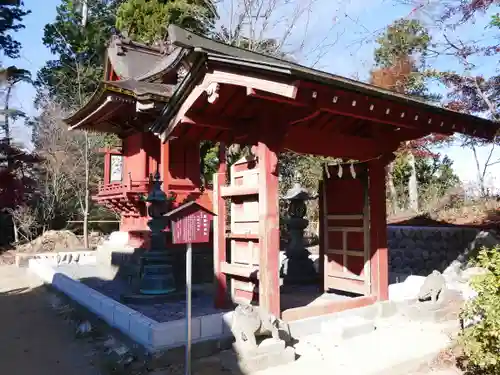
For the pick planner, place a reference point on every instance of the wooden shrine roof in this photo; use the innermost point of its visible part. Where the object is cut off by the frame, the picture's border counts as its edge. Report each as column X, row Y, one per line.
column 134, row 89
column 130, row 59
column 114, row 105
column 235, row 95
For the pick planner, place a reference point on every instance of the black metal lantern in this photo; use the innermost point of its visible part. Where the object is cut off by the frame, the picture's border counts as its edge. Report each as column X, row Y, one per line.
column 157, row 277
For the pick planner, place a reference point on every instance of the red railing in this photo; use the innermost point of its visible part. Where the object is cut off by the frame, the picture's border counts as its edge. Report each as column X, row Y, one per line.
column 116, row 189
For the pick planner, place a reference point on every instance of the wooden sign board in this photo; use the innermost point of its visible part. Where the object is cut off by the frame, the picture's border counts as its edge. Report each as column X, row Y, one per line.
column 190, row 223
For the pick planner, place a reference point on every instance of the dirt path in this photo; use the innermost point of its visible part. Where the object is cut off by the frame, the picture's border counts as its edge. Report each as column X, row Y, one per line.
column 33, row 339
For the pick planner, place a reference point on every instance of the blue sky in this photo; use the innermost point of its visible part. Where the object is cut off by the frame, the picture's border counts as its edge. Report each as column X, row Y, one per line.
column 350, row 23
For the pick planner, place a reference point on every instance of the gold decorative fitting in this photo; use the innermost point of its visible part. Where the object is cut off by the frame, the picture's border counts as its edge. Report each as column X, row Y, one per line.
column 335, row 99
column 314, row 94
column 402, row 114
column 372, row 107
column 354, row 103
column 387, row 111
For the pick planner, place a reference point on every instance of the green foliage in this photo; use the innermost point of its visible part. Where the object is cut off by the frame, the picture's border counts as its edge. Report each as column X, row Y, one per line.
column 147, row 20
column 308, row 170
column 434, row 174
column 481, row 341
column 75, row 74
column 495, row 20
column 10, row 20
column 13, row 75
column 405, row 37
column 209, row 154
column 406, row 41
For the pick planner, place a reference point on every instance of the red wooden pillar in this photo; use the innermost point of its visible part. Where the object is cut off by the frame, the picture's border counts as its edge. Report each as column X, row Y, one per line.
column 323, row 230
column 219, row 230
column 269, row 294
column 165, row 164
column 378, row 230
column 107, row 167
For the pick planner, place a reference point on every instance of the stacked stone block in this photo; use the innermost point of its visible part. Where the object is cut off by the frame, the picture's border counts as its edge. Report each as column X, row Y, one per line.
column 420, row 250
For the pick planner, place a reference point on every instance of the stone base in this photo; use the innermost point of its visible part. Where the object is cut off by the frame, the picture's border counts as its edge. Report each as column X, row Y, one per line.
column 298, row 271
column 447, row 306
column 346, row 328
column 269, row 353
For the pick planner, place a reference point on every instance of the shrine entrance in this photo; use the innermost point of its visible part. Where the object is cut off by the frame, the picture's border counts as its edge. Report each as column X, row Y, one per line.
column 346, row 239
column 352, row 247
column 231, row 95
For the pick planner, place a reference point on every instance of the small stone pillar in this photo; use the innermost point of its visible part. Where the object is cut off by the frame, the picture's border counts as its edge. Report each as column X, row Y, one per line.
column 297, row 267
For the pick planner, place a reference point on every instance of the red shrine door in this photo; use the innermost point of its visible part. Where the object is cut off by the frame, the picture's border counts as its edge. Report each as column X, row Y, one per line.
column 344, row 209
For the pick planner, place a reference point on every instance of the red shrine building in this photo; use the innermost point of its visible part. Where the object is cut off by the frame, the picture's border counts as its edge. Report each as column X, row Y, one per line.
column 162, row 104
column 138, row 83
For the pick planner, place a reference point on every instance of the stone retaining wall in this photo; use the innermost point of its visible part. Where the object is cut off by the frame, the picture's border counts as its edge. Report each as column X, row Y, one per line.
column 420, row 250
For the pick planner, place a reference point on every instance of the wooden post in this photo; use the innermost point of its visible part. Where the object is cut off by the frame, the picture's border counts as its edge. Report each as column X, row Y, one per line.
column 269, row 294
column 378, row 230
column 323, row 230
column 219, row 231
column 165, row 164
column 107, row 167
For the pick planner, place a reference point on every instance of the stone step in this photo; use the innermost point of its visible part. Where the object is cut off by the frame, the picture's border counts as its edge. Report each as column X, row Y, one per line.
column 346, row 328
column 387, row 350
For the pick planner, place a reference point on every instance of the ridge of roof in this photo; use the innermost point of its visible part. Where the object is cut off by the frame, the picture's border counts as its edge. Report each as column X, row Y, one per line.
column 238, row 56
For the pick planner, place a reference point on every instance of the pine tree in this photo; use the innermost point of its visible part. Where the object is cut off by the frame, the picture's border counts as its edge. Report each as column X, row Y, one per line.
column 147, row 21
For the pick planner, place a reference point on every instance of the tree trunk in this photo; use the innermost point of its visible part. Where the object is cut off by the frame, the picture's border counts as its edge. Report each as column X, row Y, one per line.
column 16, row 230
column 393, row 195
column 87, row 195
column 6, row 122
column 412, row 184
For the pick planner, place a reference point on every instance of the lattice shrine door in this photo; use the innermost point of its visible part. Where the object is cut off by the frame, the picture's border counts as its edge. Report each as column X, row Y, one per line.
column 243, row 257
column 344, row 209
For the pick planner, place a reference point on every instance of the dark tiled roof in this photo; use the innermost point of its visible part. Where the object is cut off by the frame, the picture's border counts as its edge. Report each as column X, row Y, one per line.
column 239, row 58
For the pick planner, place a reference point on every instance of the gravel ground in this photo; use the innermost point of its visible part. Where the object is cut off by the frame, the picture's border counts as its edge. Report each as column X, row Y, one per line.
column 34, row 340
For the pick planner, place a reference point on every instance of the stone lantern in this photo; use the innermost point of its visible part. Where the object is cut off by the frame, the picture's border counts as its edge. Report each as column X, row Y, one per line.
column 157, row 276
column 297, row 267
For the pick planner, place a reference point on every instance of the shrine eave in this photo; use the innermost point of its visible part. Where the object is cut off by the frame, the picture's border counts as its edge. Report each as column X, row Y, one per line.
column 296, row 98
column 132, row 60
column 107, row 110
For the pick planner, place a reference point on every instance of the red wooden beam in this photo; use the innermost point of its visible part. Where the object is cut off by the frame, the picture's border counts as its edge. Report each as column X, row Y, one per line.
column 220, row 231
column 378, row 230
column 326, row 308
column 312, row 141
column 373, row 109
column 301, row 139
column 269, row 285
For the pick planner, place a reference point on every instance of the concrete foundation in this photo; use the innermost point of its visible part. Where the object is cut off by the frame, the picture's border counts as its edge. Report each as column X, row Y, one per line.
column 270, row 353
